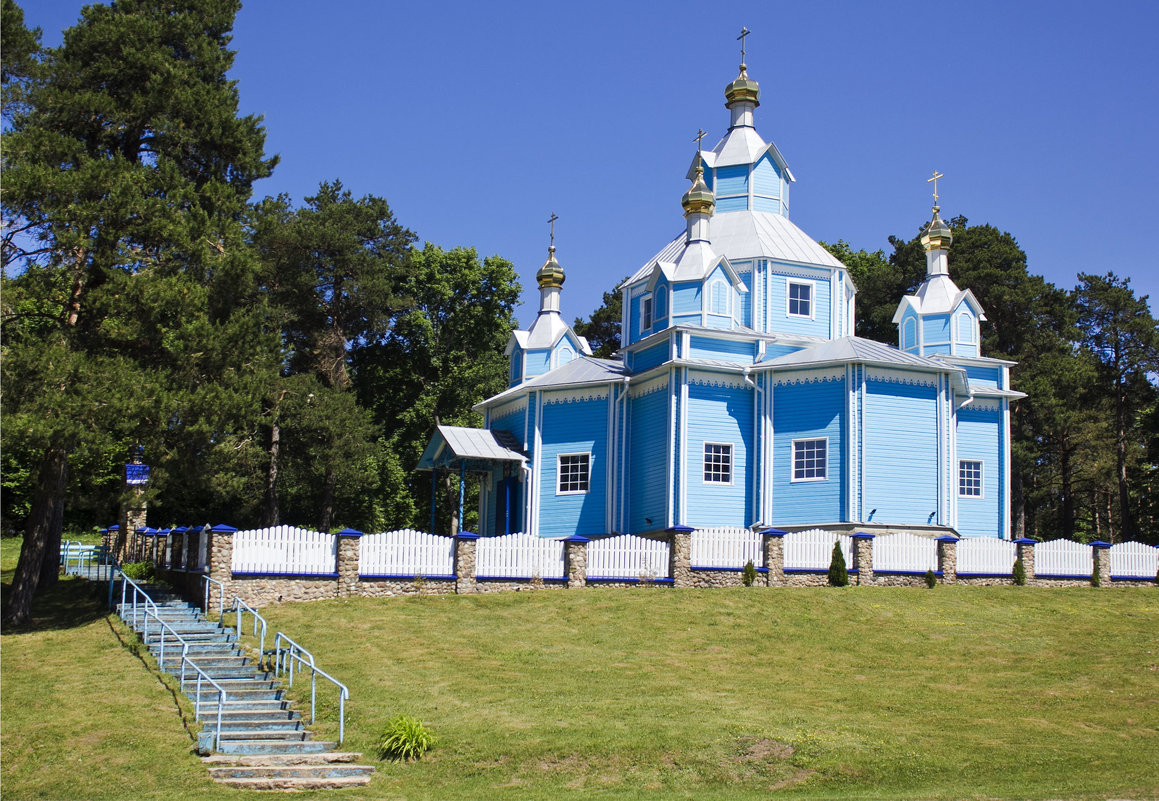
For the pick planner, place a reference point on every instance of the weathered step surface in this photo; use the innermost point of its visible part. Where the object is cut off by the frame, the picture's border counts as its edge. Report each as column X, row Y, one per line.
column 324, row 771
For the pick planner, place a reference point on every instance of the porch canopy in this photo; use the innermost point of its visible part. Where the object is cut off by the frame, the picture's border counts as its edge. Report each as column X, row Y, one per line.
column 475, row 450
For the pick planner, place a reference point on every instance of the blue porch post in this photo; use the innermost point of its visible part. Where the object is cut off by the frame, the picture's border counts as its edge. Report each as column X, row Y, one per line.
column 507, row 507
column 462, row 490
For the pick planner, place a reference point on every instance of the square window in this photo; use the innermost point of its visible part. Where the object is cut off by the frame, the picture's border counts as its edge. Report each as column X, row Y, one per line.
column 800, row 299
column 717, row 463
column 574, row 469
column 810, row 459
column 969, row 479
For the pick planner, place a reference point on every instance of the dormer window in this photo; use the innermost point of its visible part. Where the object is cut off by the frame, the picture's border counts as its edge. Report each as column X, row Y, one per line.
column 801, row 299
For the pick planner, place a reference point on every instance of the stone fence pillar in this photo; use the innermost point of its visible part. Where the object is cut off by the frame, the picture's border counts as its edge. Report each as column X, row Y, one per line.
column 1025, row 552
column 575, row 555
column 349, row 549
column 948, row 558
column 219, row 554
column 680, row 556
column 863, row 557
column 465, row 547
column 1101, row 552
column 773, row 545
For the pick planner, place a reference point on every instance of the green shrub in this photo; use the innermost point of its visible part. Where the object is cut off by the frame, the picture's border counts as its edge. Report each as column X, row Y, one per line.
column 1019, row 573
column 139, row 571
column 404, row 739
column 931, row 579
column 749, row 574
column 1095, row 580
column 838, row 575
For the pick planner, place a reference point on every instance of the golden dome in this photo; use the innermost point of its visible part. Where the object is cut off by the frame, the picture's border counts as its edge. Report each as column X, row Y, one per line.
column 937, row 235
column 550, row 274
column 743, row 88
column 699, row 198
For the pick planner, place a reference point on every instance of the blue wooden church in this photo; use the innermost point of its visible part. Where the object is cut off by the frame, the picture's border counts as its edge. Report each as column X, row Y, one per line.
column 741, row 396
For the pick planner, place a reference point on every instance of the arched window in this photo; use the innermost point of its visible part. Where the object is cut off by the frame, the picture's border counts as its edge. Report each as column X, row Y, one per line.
column 661, row 303
column 564, row 355
column 965, row 327
column 719, row 298
column 909, row 334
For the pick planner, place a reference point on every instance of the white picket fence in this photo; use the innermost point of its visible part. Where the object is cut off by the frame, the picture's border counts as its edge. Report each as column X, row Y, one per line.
column 520, row 556
column 813, row 549
column 285, row 550
column 726, row 548
column 406, row 553
column 628, row 557
column 1063, row 558
column 904, row 553
column 1134, row 560
column 986, row 556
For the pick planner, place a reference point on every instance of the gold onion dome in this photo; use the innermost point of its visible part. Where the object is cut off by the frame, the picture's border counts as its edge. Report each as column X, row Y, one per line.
column 550, row 274
column 937, row 235
column 743, row 88
column 698, row 198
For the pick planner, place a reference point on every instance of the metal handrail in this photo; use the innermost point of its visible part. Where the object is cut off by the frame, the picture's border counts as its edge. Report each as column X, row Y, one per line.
column 222, row 696
column 220, row 596
column 294, row 652
column 238, row 607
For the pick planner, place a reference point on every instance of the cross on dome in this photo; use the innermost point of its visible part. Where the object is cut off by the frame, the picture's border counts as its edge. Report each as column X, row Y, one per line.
column 934, row 179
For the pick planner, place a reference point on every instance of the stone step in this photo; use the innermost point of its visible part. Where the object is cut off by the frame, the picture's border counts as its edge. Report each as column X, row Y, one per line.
column 208, row 662
column 275, row 747
column 253, row 730
column 327, row 771
column 267, row 783
column 236, row 683
column 233, row 695
column 263, row 760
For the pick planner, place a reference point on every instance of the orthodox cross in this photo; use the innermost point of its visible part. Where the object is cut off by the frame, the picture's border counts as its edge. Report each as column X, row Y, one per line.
column 552, row 222
column 700, row 134
column 937, row 175
column 743, row 33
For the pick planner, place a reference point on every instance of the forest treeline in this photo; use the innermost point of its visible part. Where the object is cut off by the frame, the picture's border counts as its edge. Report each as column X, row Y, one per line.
column 284, row 361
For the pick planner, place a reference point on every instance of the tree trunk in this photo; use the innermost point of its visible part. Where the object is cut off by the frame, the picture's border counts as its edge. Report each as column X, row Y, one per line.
column 50, row 486
column 270, row 512
column 1067, row 478
column 50, row 565
column 1018, row 505
column 327, row 500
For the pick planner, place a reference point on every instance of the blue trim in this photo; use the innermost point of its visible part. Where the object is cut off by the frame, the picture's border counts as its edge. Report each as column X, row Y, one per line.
column 903, row 572
column 409, row 576
column 861, row 535
column 597, row 579
column 948, row 538
column 773, row 532
column 1038, row 575
column 682, row 529
column 985, row 575
column 577, row 538
column 1025, row 541
column 289, row 575
column 519, row 578
column 726, row 569
column 466, row 535
column 1132, row 578
column 1099, row 544
column 349, row 532
column 820, row 570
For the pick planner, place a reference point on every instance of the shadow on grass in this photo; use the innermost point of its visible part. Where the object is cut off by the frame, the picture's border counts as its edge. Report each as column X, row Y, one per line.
column 70, row 603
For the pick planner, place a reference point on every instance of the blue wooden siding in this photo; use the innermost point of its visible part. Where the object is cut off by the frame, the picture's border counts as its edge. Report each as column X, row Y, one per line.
column 660, row 304
column 732, row 181
column 978, row 435
column 773, row 351
column 686, row 298
column 649, row 357
column 745, row 301
column 909, row 332
column 722, row 349
column 766, row 178
column 901, row 453
column 766, row 204
column 648, row 464
column 720, row 415
column 779, row 319
column 536, row 362
column 516, row 366
column 808, row 411
column 577, row 427
column 738, row 203
column 936, row 328
column 982, row 376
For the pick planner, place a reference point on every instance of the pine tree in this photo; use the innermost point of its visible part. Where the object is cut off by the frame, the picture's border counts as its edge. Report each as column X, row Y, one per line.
column 838, row 575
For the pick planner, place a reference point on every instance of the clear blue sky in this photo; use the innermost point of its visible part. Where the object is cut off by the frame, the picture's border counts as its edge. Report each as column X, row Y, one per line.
column 478, row 120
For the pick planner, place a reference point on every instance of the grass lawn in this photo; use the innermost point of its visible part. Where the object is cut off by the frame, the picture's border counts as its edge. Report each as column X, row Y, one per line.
column 875, row 693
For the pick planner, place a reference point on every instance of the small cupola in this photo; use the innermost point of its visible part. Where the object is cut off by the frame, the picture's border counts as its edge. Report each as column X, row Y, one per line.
column 699, row 203
column 743, row 94
column 550, row 275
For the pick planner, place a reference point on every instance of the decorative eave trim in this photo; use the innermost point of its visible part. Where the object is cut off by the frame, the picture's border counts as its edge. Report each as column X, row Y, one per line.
column 713, row 379
column 982, row 405
column 898, row 377
column 508, row 409
column 576, row 395
column 642, row 388
column 799, row 377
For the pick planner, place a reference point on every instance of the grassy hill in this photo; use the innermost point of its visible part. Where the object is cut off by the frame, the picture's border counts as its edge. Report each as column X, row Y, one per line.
column 889, row 693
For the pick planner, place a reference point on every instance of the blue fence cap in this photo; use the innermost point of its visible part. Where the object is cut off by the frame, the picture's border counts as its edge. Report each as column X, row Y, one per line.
column 180, row 530
column 774, row 532
column 1100, row 544
column 1025, row 541
column 948, row 538
column 115, row 527
column 682, row 529
column 222, row 528
column 863, row 535
column 466, row 535
column 576, row 538
column 349, row 532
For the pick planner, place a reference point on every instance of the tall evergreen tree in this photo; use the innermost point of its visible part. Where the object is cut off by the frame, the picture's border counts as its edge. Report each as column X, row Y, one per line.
column 602, row 328
column 128, row 171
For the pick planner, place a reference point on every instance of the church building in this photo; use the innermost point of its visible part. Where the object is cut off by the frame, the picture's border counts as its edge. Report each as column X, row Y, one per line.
column 741, row 396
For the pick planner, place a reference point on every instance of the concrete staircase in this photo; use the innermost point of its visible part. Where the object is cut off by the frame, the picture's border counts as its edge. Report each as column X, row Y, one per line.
column 264, row 743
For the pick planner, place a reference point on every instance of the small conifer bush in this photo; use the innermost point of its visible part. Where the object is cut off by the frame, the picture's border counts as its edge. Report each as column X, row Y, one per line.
column 139, row 571
column 404, row 739
column 838, row 575
column 1095, row 580
column 749, row 574
column 1019, row 573
column 931, row 579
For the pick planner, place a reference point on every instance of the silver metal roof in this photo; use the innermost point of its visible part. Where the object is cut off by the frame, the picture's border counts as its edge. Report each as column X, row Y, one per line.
column 856, row 349
column 452, row 444
column 578, row 372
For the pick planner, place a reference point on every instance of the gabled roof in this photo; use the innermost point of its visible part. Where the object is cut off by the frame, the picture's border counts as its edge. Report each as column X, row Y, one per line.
column 578, row 372
column 938, row 294
column 546, row 329
column 751, row 234
column 451, row 445
column 741, row 145
column 857, row 350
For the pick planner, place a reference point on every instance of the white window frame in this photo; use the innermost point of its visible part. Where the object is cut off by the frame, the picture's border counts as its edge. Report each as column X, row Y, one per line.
column 969, row 327
column 646, row 313
column 661, row 292
column 705, row 464
column 981, row 493
column 812, row 285
column 909, row 326
column 723, row 287
column 793, row 461
column 559, row 473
